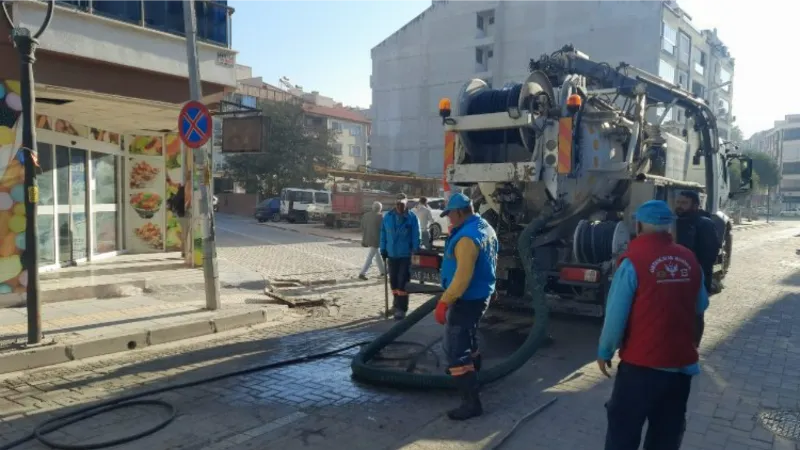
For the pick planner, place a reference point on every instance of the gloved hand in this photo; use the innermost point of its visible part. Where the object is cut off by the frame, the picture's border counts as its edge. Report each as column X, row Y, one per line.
column 441, row 313
column 384, row 254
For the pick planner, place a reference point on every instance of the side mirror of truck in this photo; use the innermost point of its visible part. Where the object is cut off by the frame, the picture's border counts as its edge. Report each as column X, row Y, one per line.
column 742, row 179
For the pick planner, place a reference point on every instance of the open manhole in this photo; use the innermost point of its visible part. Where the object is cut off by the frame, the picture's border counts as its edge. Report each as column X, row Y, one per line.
column 785, row 423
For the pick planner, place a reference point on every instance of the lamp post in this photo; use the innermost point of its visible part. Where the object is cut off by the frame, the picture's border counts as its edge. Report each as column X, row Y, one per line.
column 26, row 44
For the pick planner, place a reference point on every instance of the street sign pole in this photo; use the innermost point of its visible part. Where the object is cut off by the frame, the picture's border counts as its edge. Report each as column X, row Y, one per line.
column 210, row 272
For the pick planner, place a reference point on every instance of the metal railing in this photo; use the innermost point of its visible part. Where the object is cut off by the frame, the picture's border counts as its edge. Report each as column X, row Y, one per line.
column 213, row 18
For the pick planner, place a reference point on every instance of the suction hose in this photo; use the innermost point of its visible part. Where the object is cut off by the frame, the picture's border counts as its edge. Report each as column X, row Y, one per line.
column 534, row 286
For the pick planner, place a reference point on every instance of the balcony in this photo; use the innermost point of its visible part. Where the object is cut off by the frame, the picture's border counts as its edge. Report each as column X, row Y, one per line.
column 144, row 35
column 213, row 17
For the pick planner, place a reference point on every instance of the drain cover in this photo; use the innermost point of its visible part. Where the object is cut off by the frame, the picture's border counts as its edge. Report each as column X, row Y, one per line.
column 785, row 423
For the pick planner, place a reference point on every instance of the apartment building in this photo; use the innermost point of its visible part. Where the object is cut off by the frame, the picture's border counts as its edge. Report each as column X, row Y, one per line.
column 435, row 54
column 111, row 78
column 782, row 142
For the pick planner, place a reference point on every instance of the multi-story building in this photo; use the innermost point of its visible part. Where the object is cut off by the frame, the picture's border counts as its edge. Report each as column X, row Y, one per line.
column 111, row 77
column 450, row 43
column 782, row 142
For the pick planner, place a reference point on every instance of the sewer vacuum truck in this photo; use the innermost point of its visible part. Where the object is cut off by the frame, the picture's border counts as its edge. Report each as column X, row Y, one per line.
column 571, row 151
column 558, row 164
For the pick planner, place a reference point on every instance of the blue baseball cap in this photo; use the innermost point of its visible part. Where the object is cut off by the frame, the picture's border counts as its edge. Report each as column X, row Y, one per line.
column 654, row 212
column 456, row 201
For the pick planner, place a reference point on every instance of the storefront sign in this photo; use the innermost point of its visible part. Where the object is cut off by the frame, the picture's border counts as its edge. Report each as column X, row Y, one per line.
column 225, row 59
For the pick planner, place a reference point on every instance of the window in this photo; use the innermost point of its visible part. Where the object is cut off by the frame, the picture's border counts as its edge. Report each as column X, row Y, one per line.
column 80, row 4
column 249, row 101
column 684, row 48
column 725, row 77
column 163, row 16
column 125, row 11
column 666, row 71
column 303, row 197
column 699, row 61
column 322, row 197
column 723, row 107
column 336, row 126
column 355, row 130
column 791, row 168
column 436, row 204
column 491, row 20
column 337, row 149
column 792, row 134
column 480, row 22
column 669, row 38
column 683, row 79
column 698, row 90
column 479, row 55
column 660, row 110
column 355, row 151
column 212, row 22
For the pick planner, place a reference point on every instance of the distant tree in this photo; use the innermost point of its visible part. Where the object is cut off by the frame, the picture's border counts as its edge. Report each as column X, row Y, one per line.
column 736, row 135
column 769, row 174
column 293, row 150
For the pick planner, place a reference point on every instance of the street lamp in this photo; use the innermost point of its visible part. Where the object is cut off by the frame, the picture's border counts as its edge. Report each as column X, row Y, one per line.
column 26, row 44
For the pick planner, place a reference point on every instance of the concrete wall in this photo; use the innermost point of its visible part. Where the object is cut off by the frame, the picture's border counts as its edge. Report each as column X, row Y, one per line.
column 89, row 36
column 238, row 204
column 434, row 56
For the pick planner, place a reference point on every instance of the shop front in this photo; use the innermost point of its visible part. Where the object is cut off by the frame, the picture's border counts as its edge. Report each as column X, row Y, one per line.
column 101, row 192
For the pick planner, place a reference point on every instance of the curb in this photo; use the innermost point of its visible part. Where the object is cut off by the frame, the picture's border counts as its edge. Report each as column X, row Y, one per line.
column 344, row 239
column 753, row 227
column 48, row 355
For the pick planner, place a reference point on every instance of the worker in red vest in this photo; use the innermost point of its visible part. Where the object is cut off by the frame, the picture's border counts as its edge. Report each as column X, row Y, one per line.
column 654, row 315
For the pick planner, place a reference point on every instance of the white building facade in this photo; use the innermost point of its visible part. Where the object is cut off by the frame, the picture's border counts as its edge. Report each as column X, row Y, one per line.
column 782, row 142
column 450, row 43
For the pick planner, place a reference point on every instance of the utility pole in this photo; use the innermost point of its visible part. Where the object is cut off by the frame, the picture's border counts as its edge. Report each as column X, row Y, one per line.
column 769, row 195
column 201, row 161
column 26, row 44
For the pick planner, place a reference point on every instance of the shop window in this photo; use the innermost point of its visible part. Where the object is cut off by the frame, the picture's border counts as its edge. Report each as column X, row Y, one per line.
column 125, row 11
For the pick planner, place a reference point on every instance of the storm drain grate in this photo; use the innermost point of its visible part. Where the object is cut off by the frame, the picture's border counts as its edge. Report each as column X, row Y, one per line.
column 785, row 423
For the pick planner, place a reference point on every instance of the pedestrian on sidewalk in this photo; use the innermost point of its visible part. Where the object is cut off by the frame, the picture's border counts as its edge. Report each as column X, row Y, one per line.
column 655, row 310
column 468, row 278
column 371, row 238
column 399, row 239
column 177, row 204
column 423, row 213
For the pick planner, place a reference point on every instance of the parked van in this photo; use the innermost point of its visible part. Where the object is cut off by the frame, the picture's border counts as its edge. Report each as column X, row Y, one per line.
column 302, row 205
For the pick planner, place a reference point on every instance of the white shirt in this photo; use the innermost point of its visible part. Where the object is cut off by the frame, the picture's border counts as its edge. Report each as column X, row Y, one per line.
column 423, row 213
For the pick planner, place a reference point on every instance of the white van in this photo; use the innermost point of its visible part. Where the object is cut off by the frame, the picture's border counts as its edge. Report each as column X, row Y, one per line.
column 302, row 205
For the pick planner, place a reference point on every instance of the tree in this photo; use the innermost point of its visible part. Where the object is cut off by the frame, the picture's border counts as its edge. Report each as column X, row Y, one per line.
column 737, row 136
column 769, row 174
column 292, row 151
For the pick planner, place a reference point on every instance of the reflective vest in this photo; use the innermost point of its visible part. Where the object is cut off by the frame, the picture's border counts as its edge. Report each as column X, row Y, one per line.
column 481, row 286
column 661, row 326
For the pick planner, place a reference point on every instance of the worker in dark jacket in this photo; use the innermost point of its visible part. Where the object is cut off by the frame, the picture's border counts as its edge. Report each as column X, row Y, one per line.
column 697, row 232
column 468, row 279
column 399, row 238
column 654, row 315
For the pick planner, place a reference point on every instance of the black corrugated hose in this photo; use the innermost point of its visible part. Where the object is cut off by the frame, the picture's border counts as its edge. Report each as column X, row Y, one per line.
column 534, row 285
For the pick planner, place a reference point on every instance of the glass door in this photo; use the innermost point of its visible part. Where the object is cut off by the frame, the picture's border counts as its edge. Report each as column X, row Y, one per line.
column 104, row 189
column 71, row 204
column 45, row 217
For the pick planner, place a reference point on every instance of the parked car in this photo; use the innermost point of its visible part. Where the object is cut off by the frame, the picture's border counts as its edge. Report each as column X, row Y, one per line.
column 215, row 203
column 790, row 213
column 441, row 225
column 269, row 209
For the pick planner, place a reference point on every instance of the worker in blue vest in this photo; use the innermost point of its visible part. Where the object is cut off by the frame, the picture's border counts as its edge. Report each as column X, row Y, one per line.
column 468, row 279
column 400, row 238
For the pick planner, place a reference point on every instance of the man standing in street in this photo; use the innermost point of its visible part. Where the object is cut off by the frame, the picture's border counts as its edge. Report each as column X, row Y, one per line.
column 655, row 311
column 399, row 239
column 468, row 279
column 371, row 239
column 423, row 213
column 697, row 232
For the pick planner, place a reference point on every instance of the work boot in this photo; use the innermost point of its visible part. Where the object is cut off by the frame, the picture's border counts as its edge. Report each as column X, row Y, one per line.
column 470, row 398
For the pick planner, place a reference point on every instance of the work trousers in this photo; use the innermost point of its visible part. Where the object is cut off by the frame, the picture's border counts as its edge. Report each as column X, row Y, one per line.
column 426, row 240
column 375, row 254
column 640, row 394
column 461, row 335
column 399, row 276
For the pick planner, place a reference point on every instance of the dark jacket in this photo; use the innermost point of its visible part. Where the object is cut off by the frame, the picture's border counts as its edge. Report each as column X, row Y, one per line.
column 698, row 233
column 177, row 203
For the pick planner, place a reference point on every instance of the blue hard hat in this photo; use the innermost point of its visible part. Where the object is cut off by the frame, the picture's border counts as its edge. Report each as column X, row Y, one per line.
column 654, row 212
column 456, row 201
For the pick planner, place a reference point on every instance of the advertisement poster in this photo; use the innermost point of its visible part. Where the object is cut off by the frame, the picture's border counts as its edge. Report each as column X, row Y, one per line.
column 13, row 277
column 146, row 186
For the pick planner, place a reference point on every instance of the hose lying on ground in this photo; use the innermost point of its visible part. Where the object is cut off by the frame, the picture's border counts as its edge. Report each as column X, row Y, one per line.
column 127, row 401
column 534, row 286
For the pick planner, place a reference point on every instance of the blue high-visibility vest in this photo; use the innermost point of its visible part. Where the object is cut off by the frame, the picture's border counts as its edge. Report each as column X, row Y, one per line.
column 484, row 277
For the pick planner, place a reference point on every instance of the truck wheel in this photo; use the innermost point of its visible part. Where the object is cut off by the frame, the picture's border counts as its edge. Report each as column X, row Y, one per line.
column 276, row 217
column 727, row 246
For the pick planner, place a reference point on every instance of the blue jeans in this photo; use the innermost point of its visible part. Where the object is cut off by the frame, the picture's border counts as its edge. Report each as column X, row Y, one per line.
column 461, row 334
column 642, row 393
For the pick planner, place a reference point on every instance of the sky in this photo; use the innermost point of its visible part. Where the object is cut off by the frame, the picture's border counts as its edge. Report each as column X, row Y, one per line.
column 325, row 46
